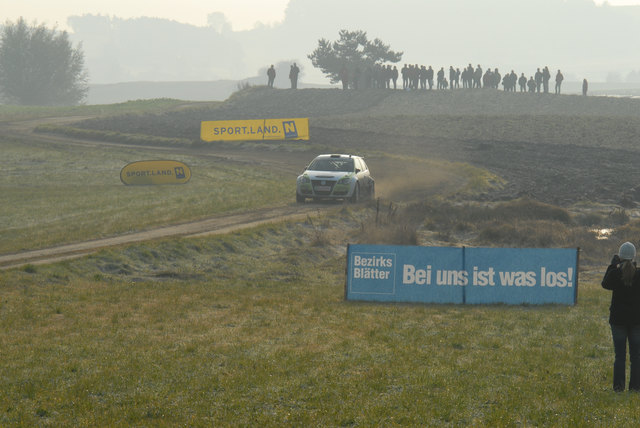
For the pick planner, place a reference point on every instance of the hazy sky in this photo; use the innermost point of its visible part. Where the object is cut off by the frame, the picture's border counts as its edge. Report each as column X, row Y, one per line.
column 243, row 14
column 599, row 47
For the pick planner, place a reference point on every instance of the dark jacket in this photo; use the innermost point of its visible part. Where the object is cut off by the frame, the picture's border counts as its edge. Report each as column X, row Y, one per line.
column 625, row 301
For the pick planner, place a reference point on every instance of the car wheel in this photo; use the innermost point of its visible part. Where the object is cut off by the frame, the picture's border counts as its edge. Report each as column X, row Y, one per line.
column 356, row 194
column 372, row 191
column 300, row 199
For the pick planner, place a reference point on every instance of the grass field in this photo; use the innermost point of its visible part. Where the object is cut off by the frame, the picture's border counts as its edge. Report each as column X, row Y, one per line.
column 251, row 328
column 12, row 112
column 56, row 193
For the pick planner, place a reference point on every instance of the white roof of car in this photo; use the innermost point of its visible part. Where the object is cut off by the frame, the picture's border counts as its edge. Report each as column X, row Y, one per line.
column 337, row 156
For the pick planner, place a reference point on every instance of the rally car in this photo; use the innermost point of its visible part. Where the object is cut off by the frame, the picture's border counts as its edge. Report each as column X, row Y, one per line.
column 335, row 176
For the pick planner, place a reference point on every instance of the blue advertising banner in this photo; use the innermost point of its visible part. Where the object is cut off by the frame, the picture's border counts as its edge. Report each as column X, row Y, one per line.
column 464, row 275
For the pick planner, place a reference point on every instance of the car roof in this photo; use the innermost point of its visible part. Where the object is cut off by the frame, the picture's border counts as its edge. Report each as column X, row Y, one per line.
column 336, row 156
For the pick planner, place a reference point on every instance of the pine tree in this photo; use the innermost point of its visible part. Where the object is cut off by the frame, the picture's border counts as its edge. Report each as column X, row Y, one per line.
column 353, row 51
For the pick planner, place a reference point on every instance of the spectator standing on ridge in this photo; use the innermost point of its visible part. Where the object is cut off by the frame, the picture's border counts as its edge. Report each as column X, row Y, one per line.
column 523, row 83
column 513, row 79
column 546, row 76
column 477, row 77
column 409, row 76
column 405, row 76
column 496, row 79
column 585, row 87
column 430, row 77
column 293, row 76
column 415, row 76
column 623, row 279
column 559, row 79
column 394, row 76
column 469, row 70
column 532, row 85
column 487, row 78
column 271, row 75
column 422, row 76
column 506, row 83
column 452, row 75
column 538, row 79
column 440, row 78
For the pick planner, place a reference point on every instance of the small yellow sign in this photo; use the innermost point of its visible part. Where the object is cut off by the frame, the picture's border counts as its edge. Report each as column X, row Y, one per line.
column 155, row 172
column 258, row 129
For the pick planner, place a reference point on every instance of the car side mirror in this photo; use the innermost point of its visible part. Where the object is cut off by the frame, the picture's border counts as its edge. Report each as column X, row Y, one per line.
column 358, row 171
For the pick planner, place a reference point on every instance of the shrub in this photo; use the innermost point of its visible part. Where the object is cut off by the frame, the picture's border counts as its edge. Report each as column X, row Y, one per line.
column 590, row 219
column 389, row 234
column 387, row 226
column 618, row 216
column 525, row 233
column 29, row 268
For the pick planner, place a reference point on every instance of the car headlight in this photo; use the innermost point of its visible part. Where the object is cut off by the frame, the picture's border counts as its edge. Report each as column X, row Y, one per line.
column 304, row 179
column 344, row 180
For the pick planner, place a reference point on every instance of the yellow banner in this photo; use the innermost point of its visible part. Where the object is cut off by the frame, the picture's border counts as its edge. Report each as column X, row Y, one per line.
column 155, row 172
column 261, row 129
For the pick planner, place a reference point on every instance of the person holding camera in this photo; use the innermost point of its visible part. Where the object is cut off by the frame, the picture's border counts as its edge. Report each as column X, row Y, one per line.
column 623, row 279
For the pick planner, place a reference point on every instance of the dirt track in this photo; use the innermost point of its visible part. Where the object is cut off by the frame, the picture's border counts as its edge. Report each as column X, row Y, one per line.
column 558, row 174
column 210, row 226
column 290, row 162
column 214, row 225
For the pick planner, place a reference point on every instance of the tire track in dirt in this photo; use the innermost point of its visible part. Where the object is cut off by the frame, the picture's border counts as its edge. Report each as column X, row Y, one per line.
column 210, row 226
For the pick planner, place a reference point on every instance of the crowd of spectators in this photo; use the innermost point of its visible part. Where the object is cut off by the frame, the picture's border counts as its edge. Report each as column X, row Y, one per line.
column 420, row 77
column 415, row 77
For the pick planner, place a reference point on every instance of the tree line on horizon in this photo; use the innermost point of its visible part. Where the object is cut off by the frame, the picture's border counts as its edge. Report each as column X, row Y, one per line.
column 40, row 66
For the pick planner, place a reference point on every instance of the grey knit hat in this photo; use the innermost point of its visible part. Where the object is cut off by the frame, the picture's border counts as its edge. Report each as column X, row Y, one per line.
column 627, row 251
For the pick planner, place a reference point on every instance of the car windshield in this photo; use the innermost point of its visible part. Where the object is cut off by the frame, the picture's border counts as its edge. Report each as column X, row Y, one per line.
column 332, row 164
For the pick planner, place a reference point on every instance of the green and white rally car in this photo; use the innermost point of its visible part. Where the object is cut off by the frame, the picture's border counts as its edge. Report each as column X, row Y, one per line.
column 335, row 177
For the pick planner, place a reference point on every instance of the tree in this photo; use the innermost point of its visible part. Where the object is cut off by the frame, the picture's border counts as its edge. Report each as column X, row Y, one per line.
column 39, row 66
column 352, row 51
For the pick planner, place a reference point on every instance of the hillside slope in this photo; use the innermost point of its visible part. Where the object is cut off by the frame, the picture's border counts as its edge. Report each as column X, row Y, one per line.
column 381, row 102
column 559, row 149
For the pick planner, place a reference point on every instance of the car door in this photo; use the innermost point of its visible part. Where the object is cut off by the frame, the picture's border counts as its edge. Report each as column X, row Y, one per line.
column 363, row 175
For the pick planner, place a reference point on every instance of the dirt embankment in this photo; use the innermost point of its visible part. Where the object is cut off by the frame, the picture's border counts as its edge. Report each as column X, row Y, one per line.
column 552, row 173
